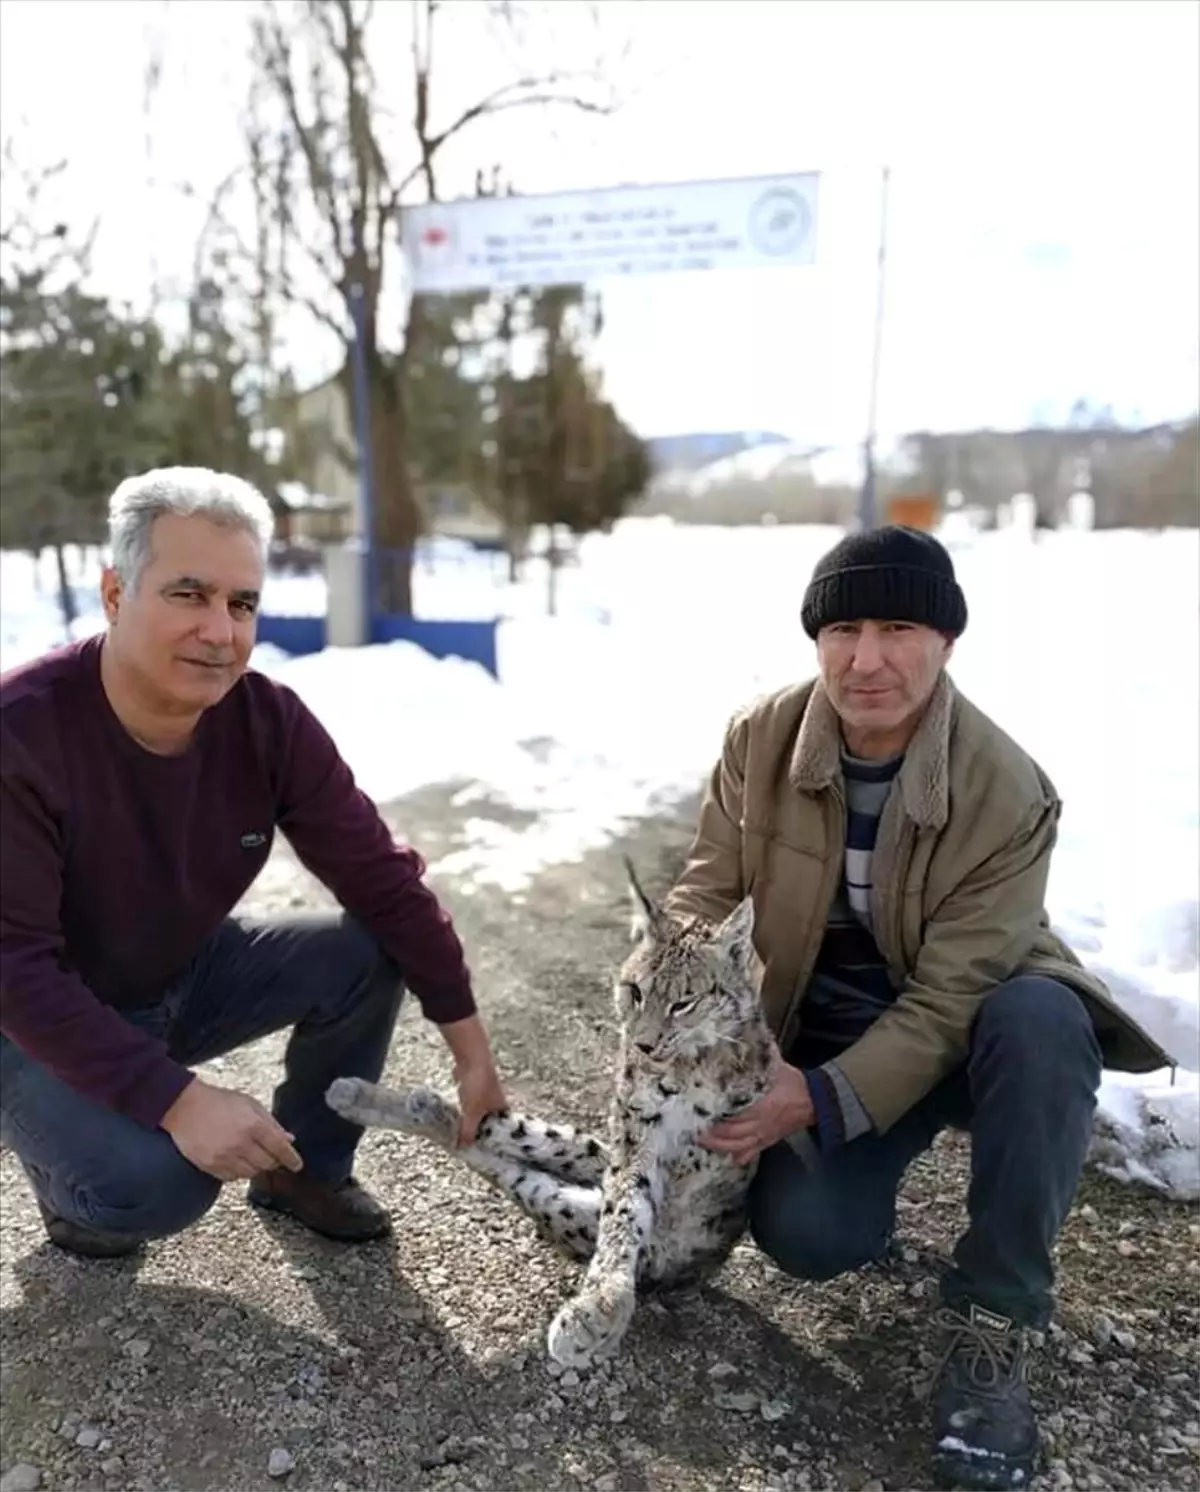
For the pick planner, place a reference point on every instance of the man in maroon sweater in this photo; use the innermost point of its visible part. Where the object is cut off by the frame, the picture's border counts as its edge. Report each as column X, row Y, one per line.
column 143, row 774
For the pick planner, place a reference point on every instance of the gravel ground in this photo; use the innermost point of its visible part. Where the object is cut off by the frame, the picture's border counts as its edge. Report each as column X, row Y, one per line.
column 248, row 1349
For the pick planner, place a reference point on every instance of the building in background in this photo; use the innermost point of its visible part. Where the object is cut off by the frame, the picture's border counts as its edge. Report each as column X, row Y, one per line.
column 324, row 432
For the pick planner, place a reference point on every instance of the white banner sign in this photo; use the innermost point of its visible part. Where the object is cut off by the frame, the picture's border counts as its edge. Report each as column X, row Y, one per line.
column 493, row 243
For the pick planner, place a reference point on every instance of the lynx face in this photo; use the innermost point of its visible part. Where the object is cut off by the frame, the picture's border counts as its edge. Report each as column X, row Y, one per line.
column 687, row 987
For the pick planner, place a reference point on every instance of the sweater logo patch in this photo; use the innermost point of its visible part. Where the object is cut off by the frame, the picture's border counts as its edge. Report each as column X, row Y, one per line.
column 253, row 840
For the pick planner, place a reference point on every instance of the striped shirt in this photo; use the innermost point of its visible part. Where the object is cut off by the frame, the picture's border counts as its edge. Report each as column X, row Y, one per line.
column 850, row 987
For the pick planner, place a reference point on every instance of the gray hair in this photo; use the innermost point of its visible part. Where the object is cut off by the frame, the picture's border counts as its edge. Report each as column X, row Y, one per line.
column 187, row 492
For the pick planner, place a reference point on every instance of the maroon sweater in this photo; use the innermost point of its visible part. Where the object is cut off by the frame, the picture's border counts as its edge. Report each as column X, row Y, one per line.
column 116, row 865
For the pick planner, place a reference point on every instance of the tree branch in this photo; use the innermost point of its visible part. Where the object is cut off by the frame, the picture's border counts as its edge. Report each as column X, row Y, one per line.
column 277, row 281
column 496, row 103
column 501, row 99
column 275, row 56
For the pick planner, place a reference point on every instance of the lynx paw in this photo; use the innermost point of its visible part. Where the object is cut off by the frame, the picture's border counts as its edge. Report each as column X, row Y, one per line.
column 418, row 1112
column 590, row 1328
column 429, row 1114
column 352, row 1098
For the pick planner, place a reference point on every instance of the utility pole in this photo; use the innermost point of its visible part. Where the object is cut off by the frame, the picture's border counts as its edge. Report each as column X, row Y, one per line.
column 867, row 504
column 366, row 458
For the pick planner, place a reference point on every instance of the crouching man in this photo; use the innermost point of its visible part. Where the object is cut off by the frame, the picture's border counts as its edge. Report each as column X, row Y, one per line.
column 896, row 844
column 143, row 775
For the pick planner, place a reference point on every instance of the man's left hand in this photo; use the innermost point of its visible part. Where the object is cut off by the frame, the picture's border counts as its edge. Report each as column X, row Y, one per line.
column 785, row 1107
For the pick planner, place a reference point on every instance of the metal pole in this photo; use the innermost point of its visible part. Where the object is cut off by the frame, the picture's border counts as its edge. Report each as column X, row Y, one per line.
column 366, row 479
column 867, row 517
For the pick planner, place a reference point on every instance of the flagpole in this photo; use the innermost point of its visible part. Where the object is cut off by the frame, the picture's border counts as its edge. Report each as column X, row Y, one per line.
column 867, row 505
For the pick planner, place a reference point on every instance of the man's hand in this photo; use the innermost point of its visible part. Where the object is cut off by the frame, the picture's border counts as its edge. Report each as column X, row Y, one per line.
column 479, row 1094
column 785, row 1107
column 227, row 1134
column 480, row 1091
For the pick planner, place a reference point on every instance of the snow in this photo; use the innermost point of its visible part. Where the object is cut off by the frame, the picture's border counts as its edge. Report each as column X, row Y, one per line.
column 1148, row 1132
column 616, row 706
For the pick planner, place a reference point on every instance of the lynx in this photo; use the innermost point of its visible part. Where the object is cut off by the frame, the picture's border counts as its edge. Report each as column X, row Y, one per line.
column 652, row 1208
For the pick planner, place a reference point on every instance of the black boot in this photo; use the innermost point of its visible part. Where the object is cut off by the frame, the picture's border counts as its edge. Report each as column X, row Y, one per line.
column 984, row 1432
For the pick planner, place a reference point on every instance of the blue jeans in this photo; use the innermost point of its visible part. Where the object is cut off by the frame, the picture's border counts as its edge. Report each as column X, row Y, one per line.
column 324, row 977
column 1026, row 1094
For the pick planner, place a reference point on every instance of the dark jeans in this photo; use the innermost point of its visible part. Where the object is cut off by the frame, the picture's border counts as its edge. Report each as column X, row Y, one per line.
column 323, row 976
column 1026, row 1094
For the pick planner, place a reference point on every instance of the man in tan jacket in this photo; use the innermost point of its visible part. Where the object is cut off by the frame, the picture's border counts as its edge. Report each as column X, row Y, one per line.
column 896, row 844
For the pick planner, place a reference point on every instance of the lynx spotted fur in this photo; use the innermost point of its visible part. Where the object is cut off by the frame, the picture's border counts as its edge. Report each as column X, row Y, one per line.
column 652, row 1208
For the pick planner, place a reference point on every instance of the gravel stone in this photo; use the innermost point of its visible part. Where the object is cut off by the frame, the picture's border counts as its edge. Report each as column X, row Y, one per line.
column 281, row 1462
column 21, row 1478
column 740, row 1403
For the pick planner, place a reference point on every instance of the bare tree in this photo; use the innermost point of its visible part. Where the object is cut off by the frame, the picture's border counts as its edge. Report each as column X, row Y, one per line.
column 28, row 237
column 152, row 77
column 1147, row 478
column 1055, row 457
column 331, row 190
column 1172, row 491
column 38, row 253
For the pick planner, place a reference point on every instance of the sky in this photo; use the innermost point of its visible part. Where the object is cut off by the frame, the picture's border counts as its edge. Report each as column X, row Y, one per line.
column 1044, row 211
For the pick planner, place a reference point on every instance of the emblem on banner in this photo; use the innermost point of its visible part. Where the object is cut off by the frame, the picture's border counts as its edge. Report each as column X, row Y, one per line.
column 780, row 221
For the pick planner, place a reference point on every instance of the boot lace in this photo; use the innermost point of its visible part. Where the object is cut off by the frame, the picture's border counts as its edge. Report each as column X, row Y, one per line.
column 994, row 1361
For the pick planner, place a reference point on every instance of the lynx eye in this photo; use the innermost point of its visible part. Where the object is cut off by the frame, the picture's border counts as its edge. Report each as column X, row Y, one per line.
column 681, row 1007
column 633, row 992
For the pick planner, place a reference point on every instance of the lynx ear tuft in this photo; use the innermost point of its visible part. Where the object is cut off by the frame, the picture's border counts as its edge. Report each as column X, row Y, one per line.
column 648, row 920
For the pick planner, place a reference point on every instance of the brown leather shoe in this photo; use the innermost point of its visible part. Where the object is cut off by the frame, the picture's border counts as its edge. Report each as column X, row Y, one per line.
column 337, row 1209
column 88, row 1243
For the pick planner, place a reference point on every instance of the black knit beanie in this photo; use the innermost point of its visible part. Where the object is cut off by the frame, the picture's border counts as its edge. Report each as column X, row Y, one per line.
column 889, row 574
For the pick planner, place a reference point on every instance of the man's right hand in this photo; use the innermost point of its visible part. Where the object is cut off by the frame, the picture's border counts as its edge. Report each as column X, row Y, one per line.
column 228, row 1134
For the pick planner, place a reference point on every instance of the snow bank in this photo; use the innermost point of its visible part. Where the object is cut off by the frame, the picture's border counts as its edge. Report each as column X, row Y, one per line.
column 1148, row 1132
